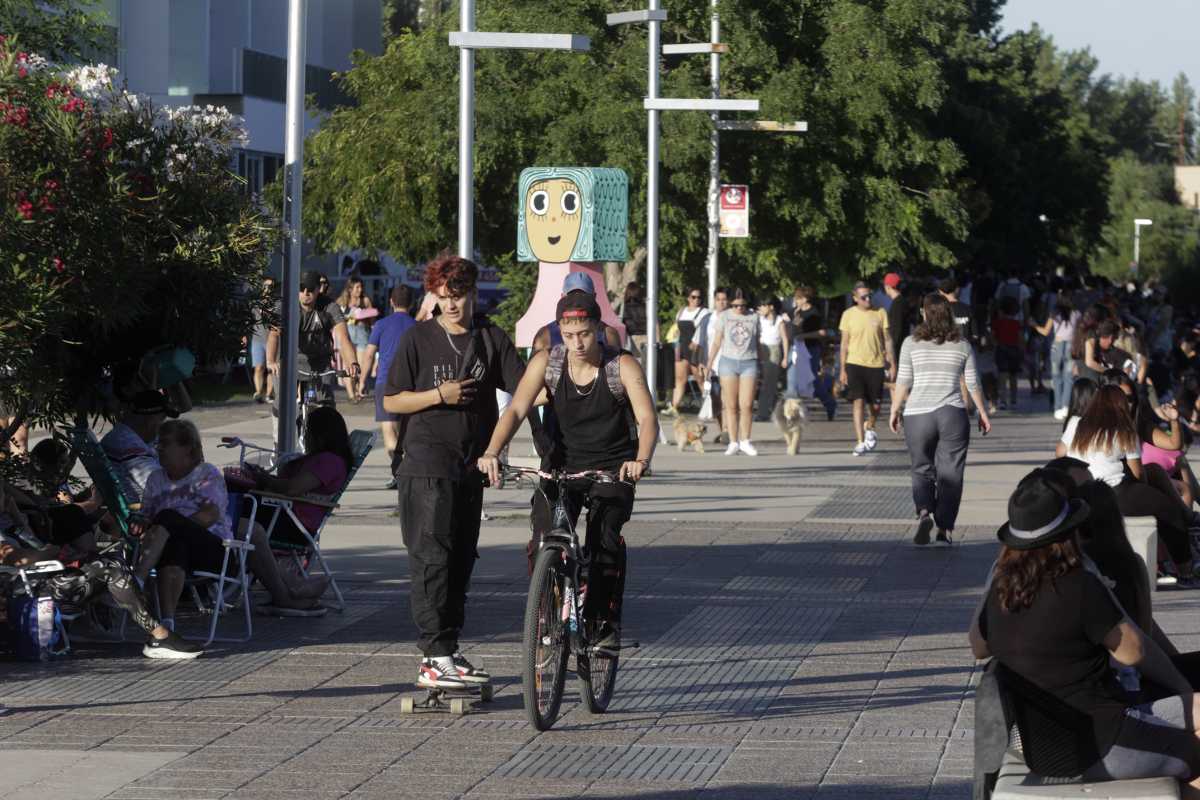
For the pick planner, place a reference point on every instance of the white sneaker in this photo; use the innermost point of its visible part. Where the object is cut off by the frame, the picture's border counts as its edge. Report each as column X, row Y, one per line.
column 870, row 439
column 861, row 449
column 732, row 450
column 747, row 448
column 1060, row 414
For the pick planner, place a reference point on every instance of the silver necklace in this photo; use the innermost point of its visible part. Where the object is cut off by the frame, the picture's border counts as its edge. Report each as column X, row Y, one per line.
column 449, row 341
column 591, row 383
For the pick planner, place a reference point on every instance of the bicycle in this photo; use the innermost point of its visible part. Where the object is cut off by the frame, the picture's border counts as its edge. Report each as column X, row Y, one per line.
column 555, row 626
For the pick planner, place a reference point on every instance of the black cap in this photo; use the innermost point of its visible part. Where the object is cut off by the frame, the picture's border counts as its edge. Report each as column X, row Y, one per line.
column 310, row 279
column 577, row 305
column 147, row 402
column 1041, row 512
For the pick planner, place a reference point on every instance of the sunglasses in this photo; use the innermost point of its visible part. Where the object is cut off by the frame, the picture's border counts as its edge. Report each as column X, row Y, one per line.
column 738, row 305
column 862, row 297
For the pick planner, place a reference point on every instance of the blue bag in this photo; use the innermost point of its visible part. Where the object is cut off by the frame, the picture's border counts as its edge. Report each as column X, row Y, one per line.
column 33, row 626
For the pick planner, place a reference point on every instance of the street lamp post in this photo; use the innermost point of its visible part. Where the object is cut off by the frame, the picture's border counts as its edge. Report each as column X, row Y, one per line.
column 468, row 40
column 654, row 104
column 289, row 324
column 1138, row 224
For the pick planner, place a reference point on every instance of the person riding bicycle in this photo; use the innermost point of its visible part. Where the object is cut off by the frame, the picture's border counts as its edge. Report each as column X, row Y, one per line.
column 594, row 390
column 444, row 377
column 322, row 327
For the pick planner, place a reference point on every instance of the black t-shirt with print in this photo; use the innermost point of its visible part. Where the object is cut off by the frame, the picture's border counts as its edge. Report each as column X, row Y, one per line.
column 810, row 322
column 445, row 441
column 1057, row 644
column 965, row 320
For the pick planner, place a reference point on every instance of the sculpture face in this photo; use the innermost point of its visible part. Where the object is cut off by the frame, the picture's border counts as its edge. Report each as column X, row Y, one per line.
column 572, row 214
column 553, row 218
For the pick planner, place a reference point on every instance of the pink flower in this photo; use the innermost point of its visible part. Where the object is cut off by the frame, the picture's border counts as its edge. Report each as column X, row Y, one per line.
column 59, row 266
column 25, row 209
column 22, row 72
column 73, row 105
column 106, row 140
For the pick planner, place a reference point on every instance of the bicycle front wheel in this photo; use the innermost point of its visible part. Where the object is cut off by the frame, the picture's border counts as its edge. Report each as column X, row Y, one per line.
column 547, row 641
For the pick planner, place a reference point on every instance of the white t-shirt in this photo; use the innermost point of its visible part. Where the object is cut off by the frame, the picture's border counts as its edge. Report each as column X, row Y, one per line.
column 1105, row 465
column 768, row 334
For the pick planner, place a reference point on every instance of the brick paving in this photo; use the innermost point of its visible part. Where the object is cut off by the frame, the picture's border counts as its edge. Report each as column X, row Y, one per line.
column 793, row 645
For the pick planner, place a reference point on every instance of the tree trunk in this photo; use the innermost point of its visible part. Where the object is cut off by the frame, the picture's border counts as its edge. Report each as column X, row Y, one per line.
column 618, row 275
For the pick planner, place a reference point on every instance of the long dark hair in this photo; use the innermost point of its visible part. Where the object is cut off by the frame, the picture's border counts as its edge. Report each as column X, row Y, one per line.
column 1086, row 328
column 1082, row 392
column 938, row 326
column 326, row 433
column 1106, row 424
column 1019, row 573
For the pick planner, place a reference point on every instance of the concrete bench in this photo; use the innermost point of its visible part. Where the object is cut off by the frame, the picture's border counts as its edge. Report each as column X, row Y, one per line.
column 1016, row 782
column 1142, row 533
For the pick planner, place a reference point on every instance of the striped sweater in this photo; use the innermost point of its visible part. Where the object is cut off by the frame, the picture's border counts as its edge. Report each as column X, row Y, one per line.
column 931, row 371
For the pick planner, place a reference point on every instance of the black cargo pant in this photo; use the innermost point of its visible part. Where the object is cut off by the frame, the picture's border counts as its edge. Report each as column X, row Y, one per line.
column 439, row 520
column 609, row 508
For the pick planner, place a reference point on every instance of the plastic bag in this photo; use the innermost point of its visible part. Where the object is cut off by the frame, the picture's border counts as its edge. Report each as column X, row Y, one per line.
column 706, row 407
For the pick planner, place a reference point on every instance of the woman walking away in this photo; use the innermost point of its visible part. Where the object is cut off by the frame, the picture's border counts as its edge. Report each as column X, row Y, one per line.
column 687, row 346
column 735, row 342
column 360, row 313
column 1048, row 618
column 934, row 360
column 1060, row 329
column 1104, row 437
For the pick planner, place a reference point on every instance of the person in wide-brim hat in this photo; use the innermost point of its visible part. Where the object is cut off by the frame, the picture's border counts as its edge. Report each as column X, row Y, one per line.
column 1040, row 513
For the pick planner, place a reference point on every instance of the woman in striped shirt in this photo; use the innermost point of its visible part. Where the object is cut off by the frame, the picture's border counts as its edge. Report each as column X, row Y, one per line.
column 936, row 427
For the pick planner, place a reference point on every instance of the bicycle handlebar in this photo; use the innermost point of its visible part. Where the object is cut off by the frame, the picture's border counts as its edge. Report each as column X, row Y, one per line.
column 304, row 375
column 597, row 475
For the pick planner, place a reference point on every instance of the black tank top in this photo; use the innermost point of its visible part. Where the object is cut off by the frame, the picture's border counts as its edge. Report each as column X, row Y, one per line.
column 593, row 426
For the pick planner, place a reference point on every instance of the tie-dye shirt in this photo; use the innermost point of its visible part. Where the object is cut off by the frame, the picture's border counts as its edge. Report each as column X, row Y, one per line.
column 204, row 484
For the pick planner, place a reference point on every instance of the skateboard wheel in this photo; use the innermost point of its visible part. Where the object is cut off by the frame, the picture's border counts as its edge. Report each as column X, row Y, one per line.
column 485, row 693
column 406, row 705
column 458, row 706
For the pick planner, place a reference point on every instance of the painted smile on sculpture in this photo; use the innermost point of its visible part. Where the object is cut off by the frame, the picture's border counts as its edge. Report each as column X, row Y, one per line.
column 553, row 219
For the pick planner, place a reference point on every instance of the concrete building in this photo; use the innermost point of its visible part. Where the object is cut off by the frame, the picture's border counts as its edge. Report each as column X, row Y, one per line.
column 1187, row 183
column 233, row 53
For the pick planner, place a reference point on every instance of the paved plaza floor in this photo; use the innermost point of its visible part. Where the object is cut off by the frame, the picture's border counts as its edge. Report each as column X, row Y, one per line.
column 794, row 644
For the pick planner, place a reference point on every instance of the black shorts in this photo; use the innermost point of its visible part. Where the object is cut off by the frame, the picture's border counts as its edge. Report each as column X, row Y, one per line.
column 864, row 383
column 1009, row 358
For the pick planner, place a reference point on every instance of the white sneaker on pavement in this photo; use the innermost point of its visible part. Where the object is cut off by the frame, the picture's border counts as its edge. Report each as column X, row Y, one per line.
column 1060, row 414
column 870, row 439
column 732, row 450
column 746, row 447
column 861, row 449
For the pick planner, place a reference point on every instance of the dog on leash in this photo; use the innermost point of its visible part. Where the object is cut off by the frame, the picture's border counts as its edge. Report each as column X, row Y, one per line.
column 689, row 434
column 791, row 417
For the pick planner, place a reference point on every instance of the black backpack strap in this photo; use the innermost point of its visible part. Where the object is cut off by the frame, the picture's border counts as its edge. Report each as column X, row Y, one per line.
column 554, row 367
column 612, row 373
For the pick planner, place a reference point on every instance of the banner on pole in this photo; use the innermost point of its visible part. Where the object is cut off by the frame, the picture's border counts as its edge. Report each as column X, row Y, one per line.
column 735, row 211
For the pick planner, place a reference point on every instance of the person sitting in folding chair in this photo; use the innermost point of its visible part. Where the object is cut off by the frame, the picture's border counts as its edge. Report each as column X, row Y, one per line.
column 94, row 575
column 187, row 499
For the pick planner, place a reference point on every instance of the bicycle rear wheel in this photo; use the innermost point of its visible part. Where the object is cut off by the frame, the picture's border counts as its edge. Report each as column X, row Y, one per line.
column 546, row 641
column 597, row 677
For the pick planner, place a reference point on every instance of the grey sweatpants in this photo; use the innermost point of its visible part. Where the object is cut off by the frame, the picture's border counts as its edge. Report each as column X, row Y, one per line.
column 937, row 443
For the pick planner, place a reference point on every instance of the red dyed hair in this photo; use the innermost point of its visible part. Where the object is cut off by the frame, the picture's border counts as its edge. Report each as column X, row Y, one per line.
column 457, row 274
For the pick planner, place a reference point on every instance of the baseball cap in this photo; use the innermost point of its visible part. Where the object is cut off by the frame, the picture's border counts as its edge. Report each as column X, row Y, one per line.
column 579, row 282
column 310, row 279
column 577, row 305
column 148, row 402
column 892, row 279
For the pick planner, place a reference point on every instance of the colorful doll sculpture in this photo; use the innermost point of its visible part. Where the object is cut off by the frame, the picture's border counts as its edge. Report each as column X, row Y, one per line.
column 571, row 219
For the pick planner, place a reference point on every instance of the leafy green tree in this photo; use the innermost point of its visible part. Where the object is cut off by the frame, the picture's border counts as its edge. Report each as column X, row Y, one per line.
column 60, row 30
column 869, row 186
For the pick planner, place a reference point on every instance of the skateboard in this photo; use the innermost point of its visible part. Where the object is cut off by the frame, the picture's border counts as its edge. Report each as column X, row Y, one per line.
column 453, row 701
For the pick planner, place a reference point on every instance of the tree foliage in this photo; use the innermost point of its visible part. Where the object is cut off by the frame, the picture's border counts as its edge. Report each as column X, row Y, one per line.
column 121, row 229
column 60, row 30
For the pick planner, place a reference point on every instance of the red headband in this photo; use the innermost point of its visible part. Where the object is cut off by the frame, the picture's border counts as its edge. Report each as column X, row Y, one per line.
column 575, row 313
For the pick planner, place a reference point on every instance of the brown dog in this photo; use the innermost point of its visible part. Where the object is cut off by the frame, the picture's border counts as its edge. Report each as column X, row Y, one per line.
column 689, row 434
column 791, row 417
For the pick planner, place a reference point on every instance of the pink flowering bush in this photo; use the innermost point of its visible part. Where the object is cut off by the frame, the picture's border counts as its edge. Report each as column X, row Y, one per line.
column 122, row 228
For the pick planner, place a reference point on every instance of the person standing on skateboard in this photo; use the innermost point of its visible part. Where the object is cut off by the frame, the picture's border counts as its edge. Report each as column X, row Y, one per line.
column 444, row 379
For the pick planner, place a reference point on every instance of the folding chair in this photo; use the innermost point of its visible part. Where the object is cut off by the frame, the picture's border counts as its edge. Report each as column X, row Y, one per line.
column 361, row 443
column 228, row 589
column 105, row 478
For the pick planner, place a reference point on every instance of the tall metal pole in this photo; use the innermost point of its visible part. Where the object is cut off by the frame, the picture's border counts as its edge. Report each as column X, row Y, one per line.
column 1137, row 243
column 289, row 326
column 466, row 136
column 652, row 211
column 714, row 163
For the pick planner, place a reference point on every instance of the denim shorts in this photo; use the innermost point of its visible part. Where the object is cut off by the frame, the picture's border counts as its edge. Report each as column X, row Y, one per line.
column 737, row 367
column 258, row 353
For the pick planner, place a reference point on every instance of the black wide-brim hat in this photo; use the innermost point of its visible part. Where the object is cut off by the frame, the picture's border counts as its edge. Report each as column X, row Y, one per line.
column 1040, row 512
